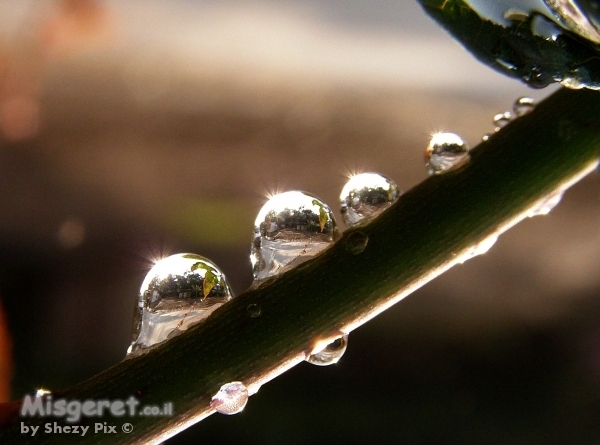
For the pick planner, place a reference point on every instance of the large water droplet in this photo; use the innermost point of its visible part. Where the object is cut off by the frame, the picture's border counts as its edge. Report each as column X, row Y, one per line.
column 523, row 106
column 445, row 152
column 545, row 205
column 365, row 196
column 178, row 291
column 291, row 228
column 331, row 354
column 230, row 399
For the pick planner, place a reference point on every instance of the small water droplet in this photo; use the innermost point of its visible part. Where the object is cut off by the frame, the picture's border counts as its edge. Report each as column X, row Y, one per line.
column 536, row 78
column 543, row 27
column 523, row 106
column 179, row 291
column 291, row 228
column 356, row 242
column 479, row 248
column 253, row 310
column 230, row 399
column 502, row 119
column 365, row 196
column 331, row 354
column 545, row 205
column 486, row 137
column 445, row 152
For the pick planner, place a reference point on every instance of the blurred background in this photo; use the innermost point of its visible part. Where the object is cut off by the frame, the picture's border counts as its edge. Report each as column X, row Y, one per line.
column 132, row 130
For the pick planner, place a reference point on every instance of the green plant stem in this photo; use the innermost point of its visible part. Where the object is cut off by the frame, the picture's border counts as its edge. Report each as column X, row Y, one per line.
column 418, row 238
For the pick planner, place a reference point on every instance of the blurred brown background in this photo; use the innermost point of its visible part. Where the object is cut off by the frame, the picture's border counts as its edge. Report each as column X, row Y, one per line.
column 134, row 129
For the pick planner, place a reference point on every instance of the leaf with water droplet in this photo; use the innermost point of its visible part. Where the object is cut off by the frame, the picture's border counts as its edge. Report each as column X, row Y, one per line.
column 531, row 45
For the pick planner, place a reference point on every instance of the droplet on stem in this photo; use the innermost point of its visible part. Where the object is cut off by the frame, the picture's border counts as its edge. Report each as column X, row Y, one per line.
column 545, row 205
column 445, row 152
column 365, row 196
column 331, row 354
column 502, row 119
column 356, row 242
column 253, row 310
column 480, row 248
column 179, row 291
column 230, row 399
column 523, row 106
column 291, row 228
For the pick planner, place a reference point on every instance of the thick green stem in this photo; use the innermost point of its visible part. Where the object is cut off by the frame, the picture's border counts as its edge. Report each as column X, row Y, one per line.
column 418, row 238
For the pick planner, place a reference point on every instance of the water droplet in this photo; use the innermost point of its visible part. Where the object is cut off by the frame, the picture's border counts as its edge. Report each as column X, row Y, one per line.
column 486, row 137
column 502, row 119
column 365, row 196
column 545, row 205
column 535, row 78
column 253, row 310
column 291, row 228
column 523, row 106
column 331, row 354
column 356, row 242
column 479, row 248
column 445, row 152
column 178, row 291
column 230, row 399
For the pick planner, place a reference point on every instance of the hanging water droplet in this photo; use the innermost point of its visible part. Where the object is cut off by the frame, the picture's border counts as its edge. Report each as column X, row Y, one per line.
column 230, row 399
column 253, row 310
column 445, row 152
column 291, row 228
column 479, row 249
column 331, row 354
column 365, row 196
column 178, row 291
column 545, row 205
column 502, row 119
column 356, row 242
column 523, row 106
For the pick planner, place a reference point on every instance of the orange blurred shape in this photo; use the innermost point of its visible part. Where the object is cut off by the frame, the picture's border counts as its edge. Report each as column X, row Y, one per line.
column 76, row 23
column 19, row 117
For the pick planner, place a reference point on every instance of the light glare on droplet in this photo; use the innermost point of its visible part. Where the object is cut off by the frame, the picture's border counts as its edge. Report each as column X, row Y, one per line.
column 230, row 399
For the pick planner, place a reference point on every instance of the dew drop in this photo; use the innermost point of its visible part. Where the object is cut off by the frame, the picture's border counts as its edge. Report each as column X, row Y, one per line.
column 365, row 196
column 501, row 120
column 331, row 354
column 356, row 242
column 230, row 399
column 545, row 205
column 179, row 291
column 523, row 106
column 291, row 228
column 486, row 137
column 479, row 248
column 445, row 152
column 253, row 310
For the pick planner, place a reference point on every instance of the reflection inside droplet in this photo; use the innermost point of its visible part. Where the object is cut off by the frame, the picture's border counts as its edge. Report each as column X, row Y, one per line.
column 291, row 228
column 365, row 196
column 331, row 354
column 178, row 291
column 230, row 399
column 445, row 152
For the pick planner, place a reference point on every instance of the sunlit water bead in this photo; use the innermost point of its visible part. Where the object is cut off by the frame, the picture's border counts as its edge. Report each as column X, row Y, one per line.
column 501, row 120
column 230, row 399
column 445, row 152
column 545, row 205
column 179, row 291
column 523, row 106
column 365, row 196
column 290, row 228
column 331, row 354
